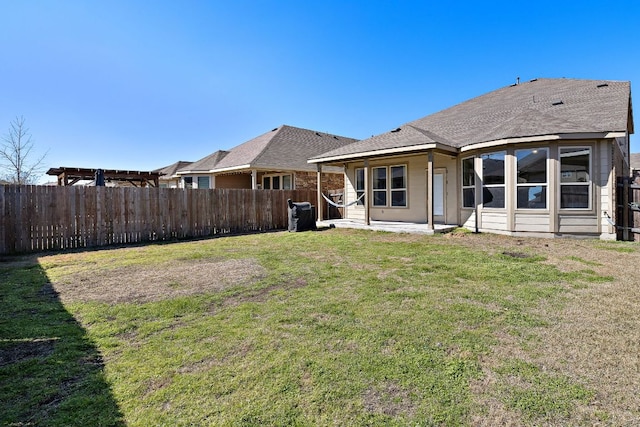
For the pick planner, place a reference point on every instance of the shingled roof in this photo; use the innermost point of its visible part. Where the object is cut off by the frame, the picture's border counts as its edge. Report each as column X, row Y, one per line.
column 283, row 148
column 169, row 171
column 537, row 108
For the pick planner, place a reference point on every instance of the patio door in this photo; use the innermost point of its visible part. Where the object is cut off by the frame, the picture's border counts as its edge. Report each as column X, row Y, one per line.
column 439, row 182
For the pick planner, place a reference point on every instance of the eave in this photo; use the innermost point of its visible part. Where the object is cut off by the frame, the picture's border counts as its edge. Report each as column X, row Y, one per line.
column 385, row 152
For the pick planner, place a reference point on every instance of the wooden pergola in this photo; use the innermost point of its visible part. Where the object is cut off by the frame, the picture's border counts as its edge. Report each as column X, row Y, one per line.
column 70, row 176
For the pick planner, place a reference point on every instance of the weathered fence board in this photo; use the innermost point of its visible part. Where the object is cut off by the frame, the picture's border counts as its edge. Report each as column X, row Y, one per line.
column 39, row 218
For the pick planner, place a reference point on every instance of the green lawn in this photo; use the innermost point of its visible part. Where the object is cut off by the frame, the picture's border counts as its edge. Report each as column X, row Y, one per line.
column 330, row 328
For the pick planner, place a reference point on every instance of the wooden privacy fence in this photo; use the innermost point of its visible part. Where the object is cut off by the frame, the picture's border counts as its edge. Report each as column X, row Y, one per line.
column 38, row 218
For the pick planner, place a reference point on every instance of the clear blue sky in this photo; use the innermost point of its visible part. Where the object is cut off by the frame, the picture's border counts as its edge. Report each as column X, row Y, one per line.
column 141, row 84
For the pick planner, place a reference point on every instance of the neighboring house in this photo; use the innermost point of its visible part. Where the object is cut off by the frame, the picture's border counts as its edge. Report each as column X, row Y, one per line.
column 635, row 164
column 169, row 177
column 539, row 158
column 275, row 160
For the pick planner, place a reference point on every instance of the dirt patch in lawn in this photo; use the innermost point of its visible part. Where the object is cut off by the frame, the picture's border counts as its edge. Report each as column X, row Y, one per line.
column 146, row 284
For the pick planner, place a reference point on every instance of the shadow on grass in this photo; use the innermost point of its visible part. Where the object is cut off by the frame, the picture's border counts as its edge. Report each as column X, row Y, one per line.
column 50, row 372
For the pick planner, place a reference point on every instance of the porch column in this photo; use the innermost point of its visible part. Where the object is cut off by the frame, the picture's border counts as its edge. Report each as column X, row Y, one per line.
column 319, row 196
column 213, row 181
column 430, row 173
column 367, row 193
column 254, row 179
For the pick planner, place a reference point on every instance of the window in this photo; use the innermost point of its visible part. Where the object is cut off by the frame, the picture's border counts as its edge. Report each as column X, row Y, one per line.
column 360, row 185
column 277, row 182
column 493, row 180
column 468, row 183
column 188, row 182
column 203, row 182
column 398, row 185
column 532, row 178
column 389, row 183
column 575, row 177
column 380, row 186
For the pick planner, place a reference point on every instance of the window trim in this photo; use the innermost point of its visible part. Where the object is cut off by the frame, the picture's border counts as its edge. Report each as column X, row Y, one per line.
column 387, row 190
column 280, row 177
column 504, row 179
column 588, row 183
column 533, row 184
column 359, row 192
column 403, row 189
column 472, row 186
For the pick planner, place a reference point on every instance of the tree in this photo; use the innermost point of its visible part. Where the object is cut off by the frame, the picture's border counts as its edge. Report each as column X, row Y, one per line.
column 16, row 155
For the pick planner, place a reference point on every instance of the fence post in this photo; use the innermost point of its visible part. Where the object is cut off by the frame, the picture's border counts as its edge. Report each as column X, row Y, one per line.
column 625, row 209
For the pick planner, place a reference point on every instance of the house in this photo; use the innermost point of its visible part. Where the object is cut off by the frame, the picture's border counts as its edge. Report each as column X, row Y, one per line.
column 635, row 165
column 539, row 158
column 168, row 174
column 274, row 160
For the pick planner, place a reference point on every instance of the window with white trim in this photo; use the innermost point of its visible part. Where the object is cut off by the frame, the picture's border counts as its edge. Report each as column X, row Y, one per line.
column 379, row 184
column 360, row 185
column 390, row 186
column 493, row 183
column 398, row 185
column 187, row 182
column 531, row 187
column 203, row 182
column 277, row 182
column 468, row 183
column 575, row 177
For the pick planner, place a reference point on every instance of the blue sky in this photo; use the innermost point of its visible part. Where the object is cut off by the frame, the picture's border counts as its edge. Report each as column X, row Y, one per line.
column 141, row 84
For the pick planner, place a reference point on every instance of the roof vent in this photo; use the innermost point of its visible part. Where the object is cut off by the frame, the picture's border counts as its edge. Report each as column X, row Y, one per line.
column 396, row 130
column 318, row 133
column 603, row 85
column 274, row 129
column 533, row 80
column 557, row 102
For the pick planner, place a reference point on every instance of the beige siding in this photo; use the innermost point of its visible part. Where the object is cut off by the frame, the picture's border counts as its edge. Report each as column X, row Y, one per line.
column 532, row 222
column 469, row 219
column 354, row 212
column 494, row 221
column 605, row 180
column 578, row 224
column 416, row 210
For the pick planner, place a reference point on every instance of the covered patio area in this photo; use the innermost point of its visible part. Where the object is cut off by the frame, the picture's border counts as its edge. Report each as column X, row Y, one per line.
column 389, row 226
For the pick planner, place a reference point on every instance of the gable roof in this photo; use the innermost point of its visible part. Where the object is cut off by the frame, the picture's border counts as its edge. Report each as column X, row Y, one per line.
column 541, row 107
column 168, row 172
column 206, row 163
column 283, row 148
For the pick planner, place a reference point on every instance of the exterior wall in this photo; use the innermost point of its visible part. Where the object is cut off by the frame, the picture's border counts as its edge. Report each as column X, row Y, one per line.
column 239, row 180
column 548, row 222
column 552, row 221
column 195, row 180
column 309, row 181
column 416, row 209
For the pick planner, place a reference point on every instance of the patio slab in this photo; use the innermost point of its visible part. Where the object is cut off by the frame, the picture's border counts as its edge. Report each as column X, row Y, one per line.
column 390, row 226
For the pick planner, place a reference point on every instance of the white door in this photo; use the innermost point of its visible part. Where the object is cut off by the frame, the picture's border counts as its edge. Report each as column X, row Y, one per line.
column 438, row 193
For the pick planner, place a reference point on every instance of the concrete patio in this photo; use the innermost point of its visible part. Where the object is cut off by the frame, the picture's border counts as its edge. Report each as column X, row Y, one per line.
column 393, row 227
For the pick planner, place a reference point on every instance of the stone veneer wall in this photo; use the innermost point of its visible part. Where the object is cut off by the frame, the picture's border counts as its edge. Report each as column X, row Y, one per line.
column 308, row 181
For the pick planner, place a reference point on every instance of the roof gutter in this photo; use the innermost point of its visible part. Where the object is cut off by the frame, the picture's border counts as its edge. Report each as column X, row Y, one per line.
column 542, row 138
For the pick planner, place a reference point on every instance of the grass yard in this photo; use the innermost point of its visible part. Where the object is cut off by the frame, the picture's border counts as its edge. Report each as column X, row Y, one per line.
column 332, row 328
